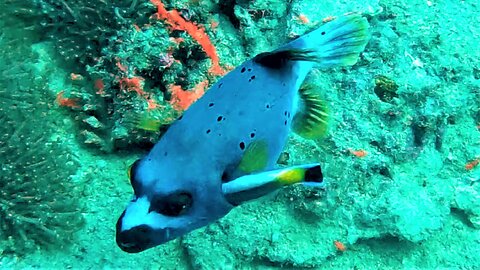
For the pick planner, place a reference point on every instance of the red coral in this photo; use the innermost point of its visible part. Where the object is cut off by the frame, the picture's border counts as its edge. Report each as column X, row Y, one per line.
column 177, row 22
column 133, row 84
column 67, row 102
column 182, row 99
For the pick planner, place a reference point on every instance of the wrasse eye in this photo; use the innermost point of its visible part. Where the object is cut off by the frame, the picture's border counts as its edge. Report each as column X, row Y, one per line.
column 131, row 172
column 172, row 205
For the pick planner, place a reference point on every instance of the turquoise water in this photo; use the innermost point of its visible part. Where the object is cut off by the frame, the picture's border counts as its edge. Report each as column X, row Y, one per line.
column 87, row 85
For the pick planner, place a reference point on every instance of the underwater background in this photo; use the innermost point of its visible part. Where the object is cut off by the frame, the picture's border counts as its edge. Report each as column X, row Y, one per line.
column 85, row 84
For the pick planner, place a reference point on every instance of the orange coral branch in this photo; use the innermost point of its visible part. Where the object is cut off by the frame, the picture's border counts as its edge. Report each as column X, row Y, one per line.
column 177, row 22
column 182, row 99
column 133, row 84
column 67, row 102
column 472, row 164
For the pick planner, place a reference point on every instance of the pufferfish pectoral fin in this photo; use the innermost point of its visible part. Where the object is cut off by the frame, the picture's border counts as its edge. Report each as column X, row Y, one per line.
column 311, row 119
column 255, row 157
column 253, row 186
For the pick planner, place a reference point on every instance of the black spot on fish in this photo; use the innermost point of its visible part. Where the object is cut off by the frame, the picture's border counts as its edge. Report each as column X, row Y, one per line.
column 243, row 70
column 242, row 145
column 267, row 106
column 220, row 85
column 251, row 78
column 323, row 33
column 210, row 104
column 285, row 122
column 285, row 113
column 220, row 118
column 165, row 154
column 180, row 118
column 208, row 131
column 249, row 69
column 252, row 135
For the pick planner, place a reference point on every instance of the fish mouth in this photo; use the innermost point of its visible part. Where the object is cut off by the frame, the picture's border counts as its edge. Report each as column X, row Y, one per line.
column 134, row 240
column 130, row 247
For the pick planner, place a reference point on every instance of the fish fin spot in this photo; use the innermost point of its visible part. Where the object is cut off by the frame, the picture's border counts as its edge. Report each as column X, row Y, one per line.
column 278, row 59
column 311, row 120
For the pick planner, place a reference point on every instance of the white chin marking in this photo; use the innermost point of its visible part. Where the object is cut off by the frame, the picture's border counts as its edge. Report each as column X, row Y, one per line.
column 136, row 213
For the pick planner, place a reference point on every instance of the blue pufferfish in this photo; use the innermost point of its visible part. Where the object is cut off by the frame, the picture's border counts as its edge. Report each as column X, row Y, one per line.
column 222, row 152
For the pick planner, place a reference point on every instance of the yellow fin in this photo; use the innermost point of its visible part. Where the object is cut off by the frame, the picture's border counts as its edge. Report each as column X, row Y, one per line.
column 311, row 120
column 291, row 176
column 255, row 157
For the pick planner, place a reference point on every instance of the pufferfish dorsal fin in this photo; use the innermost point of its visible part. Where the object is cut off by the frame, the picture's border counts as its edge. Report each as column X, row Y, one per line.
column 255, row 157
column 278, row 59
column 311, row 119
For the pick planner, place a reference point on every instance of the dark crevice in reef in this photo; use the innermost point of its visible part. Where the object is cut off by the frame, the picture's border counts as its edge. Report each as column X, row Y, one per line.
column 227, row 8
column 461, row 216
column 187, row 257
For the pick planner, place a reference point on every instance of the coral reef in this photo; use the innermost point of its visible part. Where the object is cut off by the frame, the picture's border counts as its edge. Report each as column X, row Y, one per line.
column 78, row 28
column 147, row 75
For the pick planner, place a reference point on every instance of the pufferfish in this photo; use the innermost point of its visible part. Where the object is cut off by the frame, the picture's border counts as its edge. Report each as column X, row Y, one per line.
column 222, row 152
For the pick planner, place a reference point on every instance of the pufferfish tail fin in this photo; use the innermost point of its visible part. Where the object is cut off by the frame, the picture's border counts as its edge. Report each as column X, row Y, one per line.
column 252, row 186
column 336, row 43
column 339, row 42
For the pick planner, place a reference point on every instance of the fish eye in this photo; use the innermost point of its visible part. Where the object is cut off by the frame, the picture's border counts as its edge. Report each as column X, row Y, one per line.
column 172, row 205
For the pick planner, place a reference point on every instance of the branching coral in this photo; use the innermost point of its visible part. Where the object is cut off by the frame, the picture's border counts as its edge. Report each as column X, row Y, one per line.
column 38, row 203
